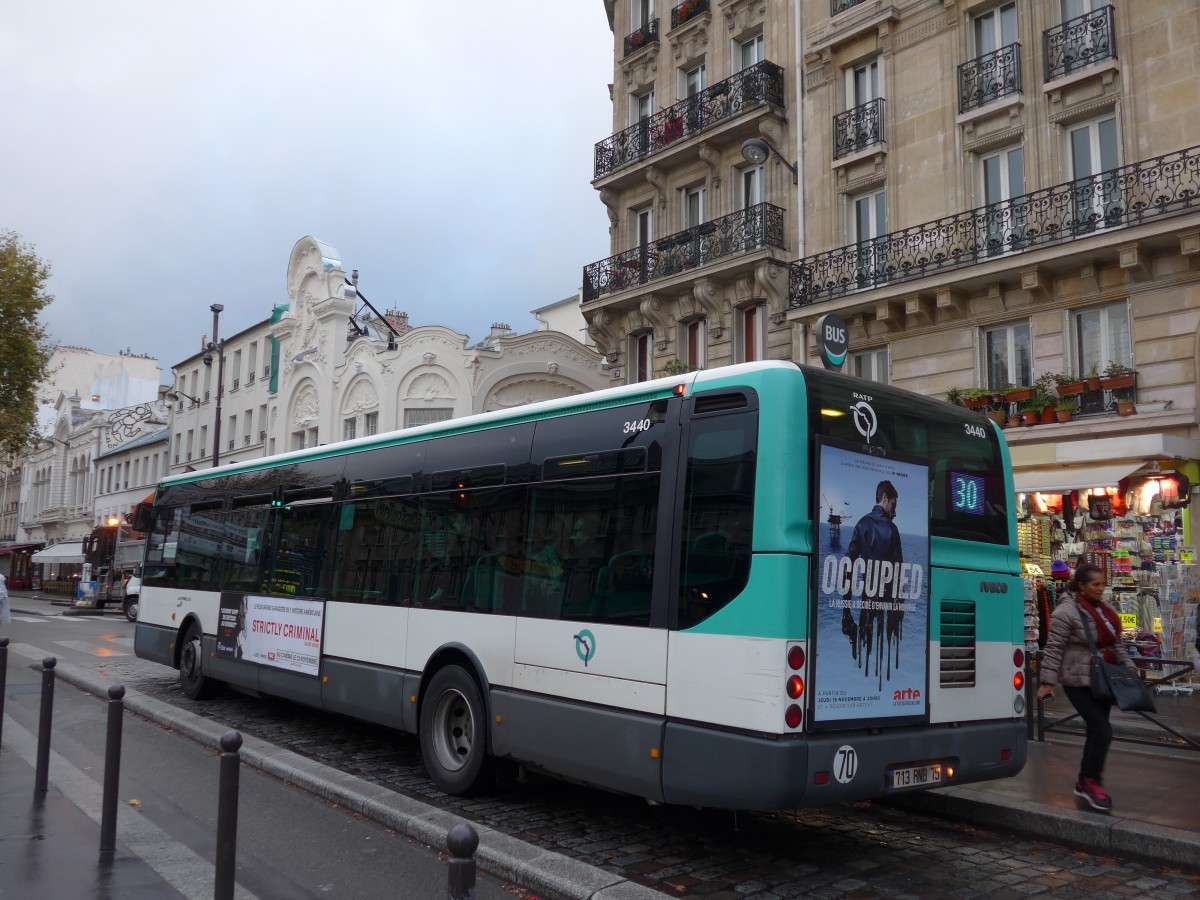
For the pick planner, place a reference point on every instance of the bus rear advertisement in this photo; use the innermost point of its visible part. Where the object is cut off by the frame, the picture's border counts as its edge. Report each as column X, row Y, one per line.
column 761, row 587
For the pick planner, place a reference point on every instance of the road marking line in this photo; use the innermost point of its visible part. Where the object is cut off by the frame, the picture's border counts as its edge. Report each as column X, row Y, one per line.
column 186, row 871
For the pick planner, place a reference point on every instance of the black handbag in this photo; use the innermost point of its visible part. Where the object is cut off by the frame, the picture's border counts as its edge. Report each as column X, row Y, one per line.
column 1111, row 682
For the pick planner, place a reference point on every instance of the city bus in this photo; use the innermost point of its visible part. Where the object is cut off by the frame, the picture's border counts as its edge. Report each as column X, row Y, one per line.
column 757, row 587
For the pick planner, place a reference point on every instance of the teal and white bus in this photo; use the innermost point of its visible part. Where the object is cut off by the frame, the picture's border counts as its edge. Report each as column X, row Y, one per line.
column 758, row 587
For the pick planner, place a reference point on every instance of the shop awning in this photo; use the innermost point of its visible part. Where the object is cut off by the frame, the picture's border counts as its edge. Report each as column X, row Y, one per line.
column 1071, row 478
column 16, row 548
column 65, row 552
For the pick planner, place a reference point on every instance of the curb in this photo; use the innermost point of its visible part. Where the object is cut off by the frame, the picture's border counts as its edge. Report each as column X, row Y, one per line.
column 550, row 875
column 1105, row 835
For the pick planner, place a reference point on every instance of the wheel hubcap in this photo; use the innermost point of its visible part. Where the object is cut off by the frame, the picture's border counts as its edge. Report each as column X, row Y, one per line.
column 453, row 730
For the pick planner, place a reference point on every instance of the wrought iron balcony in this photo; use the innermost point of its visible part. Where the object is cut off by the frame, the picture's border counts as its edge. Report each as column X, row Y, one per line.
column 987, row 78
column 747, row 229
column 1080, row 42
column 859, row 128
column 837, row 6
column 760, row 83
column 647, row 34
column 1157, row 188
column 687, row 10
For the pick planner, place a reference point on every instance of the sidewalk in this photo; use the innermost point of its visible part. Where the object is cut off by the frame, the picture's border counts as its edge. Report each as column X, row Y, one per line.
column 39, row 604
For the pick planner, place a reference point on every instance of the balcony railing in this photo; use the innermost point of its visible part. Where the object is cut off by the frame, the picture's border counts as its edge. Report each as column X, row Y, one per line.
column 987, row 78
column 837, row 6
column 859, row 128
column 1156, row 188
column 760, row 83
column 747, row 229
column 1080, row 42
column 687, row 10
column 647, row 34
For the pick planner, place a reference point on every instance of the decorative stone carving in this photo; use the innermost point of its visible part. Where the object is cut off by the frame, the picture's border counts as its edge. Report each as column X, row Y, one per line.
column 712, row 159
column 360, row 398
column 306, row 407
column 428, row 358
column 429, row 387
column 528, row 390
column 771, row 279
column 658, row 179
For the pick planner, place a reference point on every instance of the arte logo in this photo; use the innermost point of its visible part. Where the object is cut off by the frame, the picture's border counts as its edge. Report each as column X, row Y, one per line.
column 585, row 646
column 907, row 694
column 865, row 419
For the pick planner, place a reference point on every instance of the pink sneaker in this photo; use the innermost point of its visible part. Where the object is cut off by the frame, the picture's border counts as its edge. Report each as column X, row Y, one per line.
column 1089, row 789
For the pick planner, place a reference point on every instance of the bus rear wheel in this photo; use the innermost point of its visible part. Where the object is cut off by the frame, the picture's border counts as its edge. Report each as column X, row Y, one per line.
column 454, row 732
column 192, row 680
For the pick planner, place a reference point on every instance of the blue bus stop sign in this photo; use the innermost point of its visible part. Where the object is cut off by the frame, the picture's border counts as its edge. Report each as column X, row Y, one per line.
column 832, row 340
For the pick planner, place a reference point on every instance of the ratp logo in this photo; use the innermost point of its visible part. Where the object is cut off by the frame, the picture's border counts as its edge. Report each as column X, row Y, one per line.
column 585, row 646
column 865, row 419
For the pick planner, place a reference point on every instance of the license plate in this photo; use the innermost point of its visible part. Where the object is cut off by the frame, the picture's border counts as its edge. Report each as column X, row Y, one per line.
column 916, row 776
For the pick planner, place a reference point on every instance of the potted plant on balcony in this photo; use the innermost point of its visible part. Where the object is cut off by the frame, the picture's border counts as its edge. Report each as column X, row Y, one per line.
column 954, row 396
column 977, row 398
column 1064, row 409
column 1031, row 412
column 1018, row 393
column 1068, row 385
column 1117, row 376
column 687, row 9
column 1092, row 379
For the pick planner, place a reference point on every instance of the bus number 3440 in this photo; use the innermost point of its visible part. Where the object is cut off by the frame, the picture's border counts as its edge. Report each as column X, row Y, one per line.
column 637, row 425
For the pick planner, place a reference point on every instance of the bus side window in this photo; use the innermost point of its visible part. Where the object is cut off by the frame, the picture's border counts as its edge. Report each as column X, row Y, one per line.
column 718, row 514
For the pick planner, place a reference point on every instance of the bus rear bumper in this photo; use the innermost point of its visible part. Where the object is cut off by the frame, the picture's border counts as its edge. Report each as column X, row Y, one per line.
column 703, row 767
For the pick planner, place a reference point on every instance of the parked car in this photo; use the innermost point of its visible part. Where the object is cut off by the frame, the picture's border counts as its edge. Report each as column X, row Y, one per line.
column 133, row 588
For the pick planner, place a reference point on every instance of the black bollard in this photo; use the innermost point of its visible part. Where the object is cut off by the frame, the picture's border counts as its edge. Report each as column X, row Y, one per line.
column 460, row 879
column 42, row 775
column 112, row 769
column 227, row 803
column 3, row 680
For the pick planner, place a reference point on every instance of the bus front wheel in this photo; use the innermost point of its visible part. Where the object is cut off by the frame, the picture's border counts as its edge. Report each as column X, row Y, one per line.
column 454, row 732
column 192, row 680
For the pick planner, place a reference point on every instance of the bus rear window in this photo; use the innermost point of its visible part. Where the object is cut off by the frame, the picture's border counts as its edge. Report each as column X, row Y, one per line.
column 968, row 499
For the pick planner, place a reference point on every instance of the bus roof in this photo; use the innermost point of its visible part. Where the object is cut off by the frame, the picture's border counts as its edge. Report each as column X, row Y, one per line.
column 615, row 396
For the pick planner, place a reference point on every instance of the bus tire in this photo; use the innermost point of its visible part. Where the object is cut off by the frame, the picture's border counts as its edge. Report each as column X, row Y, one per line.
column 192, row 680
column 453, row 731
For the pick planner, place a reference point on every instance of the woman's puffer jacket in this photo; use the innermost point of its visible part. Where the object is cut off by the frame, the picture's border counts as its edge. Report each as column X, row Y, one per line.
column 1067, row 658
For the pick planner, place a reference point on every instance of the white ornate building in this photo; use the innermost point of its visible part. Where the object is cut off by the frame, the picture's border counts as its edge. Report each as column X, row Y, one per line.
column 308, row 376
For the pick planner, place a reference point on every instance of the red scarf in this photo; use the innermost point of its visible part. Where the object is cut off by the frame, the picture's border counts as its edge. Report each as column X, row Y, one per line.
column 1107, row 629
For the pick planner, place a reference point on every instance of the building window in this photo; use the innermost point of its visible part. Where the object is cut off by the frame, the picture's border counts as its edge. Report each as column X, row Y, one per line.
column 643, row 12
column 1102, row 336
column 753, row 326
column 694, row 344
column 1094, row 151
column 693, row 207
column 1003, row 176
column 995, row 71
column 348, row 429
column 995, row 28
column 414, row 417
column 750, row 183
column 1008, row 355
column 748, row 52
column 695, row 80
column 871, row 365
column 371, row 424
column 640, row 110
column 868, row 226
column 641, row 357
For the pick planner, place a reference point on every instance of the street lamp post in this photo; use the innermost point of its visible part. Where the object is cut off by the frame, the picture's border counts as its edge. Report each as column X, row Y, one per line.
column 217, row 346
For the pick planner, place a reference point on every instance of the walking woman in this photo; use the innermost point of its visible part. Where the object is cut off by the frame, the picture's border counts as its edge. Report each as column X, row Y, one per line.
column 1067, row 661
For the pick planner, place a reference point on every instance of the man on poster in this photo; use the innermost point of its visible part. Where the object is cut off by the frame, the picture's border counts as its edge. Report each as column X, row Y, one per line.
column 876, row 538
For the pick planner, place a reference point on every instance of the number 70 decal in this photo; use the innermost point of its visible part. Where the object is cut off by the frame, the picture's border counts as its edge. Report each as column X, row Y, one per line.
column 845, row 764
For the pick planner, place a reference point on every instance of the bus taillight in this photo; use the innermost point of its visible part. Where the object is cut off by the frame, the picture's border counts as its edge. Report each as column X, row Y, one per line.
column 795, row 687
column 793, row 716
column 795, row 656
column 1019, row 658
column 1019, row 680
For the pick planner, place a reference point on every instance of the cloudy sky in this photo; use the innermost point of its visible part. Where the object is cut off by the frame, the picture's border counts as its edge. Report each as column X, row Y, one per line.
column 163, row 157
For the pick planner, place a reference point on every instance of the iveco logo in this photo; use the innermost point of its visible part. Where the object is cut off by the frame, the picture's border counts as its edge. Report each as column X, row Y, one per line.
column 864, row 419
column 993, row 587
